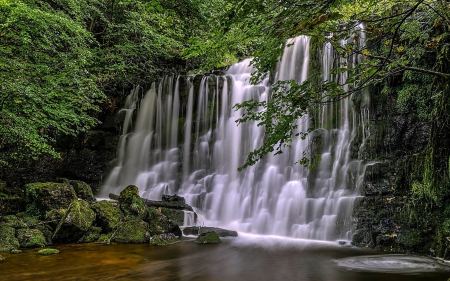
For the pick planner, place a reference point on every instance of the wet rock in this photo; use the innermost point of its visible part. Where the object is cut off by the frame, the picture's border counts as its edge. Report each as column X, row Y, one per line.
column 208, row 238
column 12, row 221
column 159, row 223
column 113, row 197
column 196, row 230
column 173, row 198
column 108, row 215
column 164, row 239
column 16, row 251
column 133, row 230
column 168, row 204
column 175, row 215
column 48, row 251
column 77, row 220
column 43, row 197
column 53, row 217
column 31, row 238
column 8, row 240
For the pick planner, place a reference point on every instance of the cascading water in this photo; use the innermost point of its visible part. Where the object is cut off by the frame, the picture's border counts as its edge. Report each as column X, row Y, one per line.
column 276, row 196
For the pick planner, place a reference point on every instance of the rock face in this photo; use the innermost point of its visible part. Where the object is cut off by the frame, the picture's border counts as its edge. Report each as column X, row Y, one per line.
column 196, row 230
column 208, row 238
column 164, row 239
column 132, row 230
column 43, row 197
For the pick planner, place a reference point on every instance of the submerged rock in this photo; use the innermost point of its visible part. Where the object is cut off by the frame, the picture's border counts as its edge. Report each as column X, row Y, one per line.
column 48, row 251
column 208, row 238
column 8, row 240
column 196, row 230
column 31, row 238
column 164, row 239
column 43, row 197
column 77, row 220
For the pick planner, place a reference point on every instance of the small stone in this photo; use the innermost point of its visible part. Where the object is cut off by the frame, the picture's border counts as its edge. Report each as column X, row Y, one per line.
column 15, row 251
column 342, row 243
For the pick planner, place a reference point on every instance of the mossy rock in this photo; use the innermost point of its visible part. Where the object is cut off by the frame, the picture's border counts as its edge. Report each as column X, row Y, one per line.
column 8, row 240
column 47, row 231
column 131, row 203
column 16, row 251
column 164, row 239
column 83, row 190
column 31, row 238
column 108, row 215
column 132, row 230
column 208, row 238
column 11, row 204
column 77, row 220
column 29, row 220
column 158, row 222
column 43, row 197
column 48, row 251
column 175, row 215
column 12, row 221
column 91, row 235
column 53, row 217
column 104, row 238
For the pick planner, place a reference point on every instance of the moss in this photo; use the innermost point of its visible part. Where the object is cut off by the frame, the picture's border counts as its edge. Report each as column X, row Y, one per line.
column 164, row 239
column 12, row 221
column 175, row 215
column 48, row 251
column 208, row 238
column 132, row 230
column 8, row 240
column 16, row 251
column 108, row 215
column 31, row 238
column 104, row 238
column 77, row 220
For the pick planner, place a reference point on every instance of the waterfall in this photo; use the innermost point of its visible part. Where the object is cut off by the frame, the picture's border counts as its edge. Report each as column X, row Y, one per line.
column 186, row 141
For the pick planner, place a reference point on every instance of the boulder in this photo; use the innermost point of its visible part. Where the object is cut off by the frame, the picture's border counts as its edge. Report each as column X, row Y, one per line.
column 196, row 230
column 91, row 235
column 159, row 223
column 8, row 240
column 31, row 238
column 77, row 220
column 83, row 190
column 11, row 204
column 208, row 238
column 132, row 230
column 108, row 215
column 12, row 221
column 53, row 217
column 43, row 197
column 131, row 203
column 164, row 239
column 175, row 215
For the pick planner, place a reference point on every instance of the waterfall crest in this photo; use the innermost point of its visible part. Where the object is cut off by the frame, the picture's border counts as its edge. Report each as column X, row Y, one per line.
column 194, row 148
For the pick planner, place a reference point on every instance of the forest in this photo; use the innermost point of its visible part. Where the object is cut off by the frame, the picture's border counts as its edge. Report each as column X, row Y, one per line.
column 65, row 65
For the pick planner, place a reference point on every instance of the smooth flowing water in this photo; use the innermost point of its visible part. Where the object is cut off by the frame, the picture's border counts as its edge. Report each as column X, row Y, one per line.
column 187, row 142
column 244, row 258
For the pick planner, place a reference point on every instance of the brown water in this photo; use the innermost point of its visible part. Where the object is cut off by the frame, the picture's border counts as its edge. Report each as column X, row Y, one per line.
column 243, row 258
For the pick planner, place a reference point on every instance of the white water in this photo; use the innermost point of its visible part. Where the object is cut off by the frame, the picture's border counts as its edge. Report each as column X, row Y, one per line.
column 276, row 196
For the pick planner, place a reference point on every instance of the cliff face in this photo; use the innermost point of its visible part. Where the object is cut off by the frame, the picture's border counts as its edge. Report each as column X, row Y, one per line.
column 405, row 185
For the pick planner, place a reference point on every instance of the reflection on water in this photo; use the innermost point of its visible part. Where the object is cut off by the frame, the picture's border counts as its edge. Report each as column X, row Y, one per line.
column 242, row 258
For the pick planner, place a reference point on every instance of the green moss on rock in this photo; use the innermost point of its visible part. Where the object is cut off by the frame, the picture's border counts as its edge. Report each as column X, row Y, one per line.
column 175, row 215
column 108, row 215
column 16, row 251
column 104, row 238
column 132, row 230
column 43, row 197
column 208, row 238
column 131, row 203
column 31, row 238
column 164, row 239
column 12, row 221
column 77, row 220
column 8, row 240
column 48, row 251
